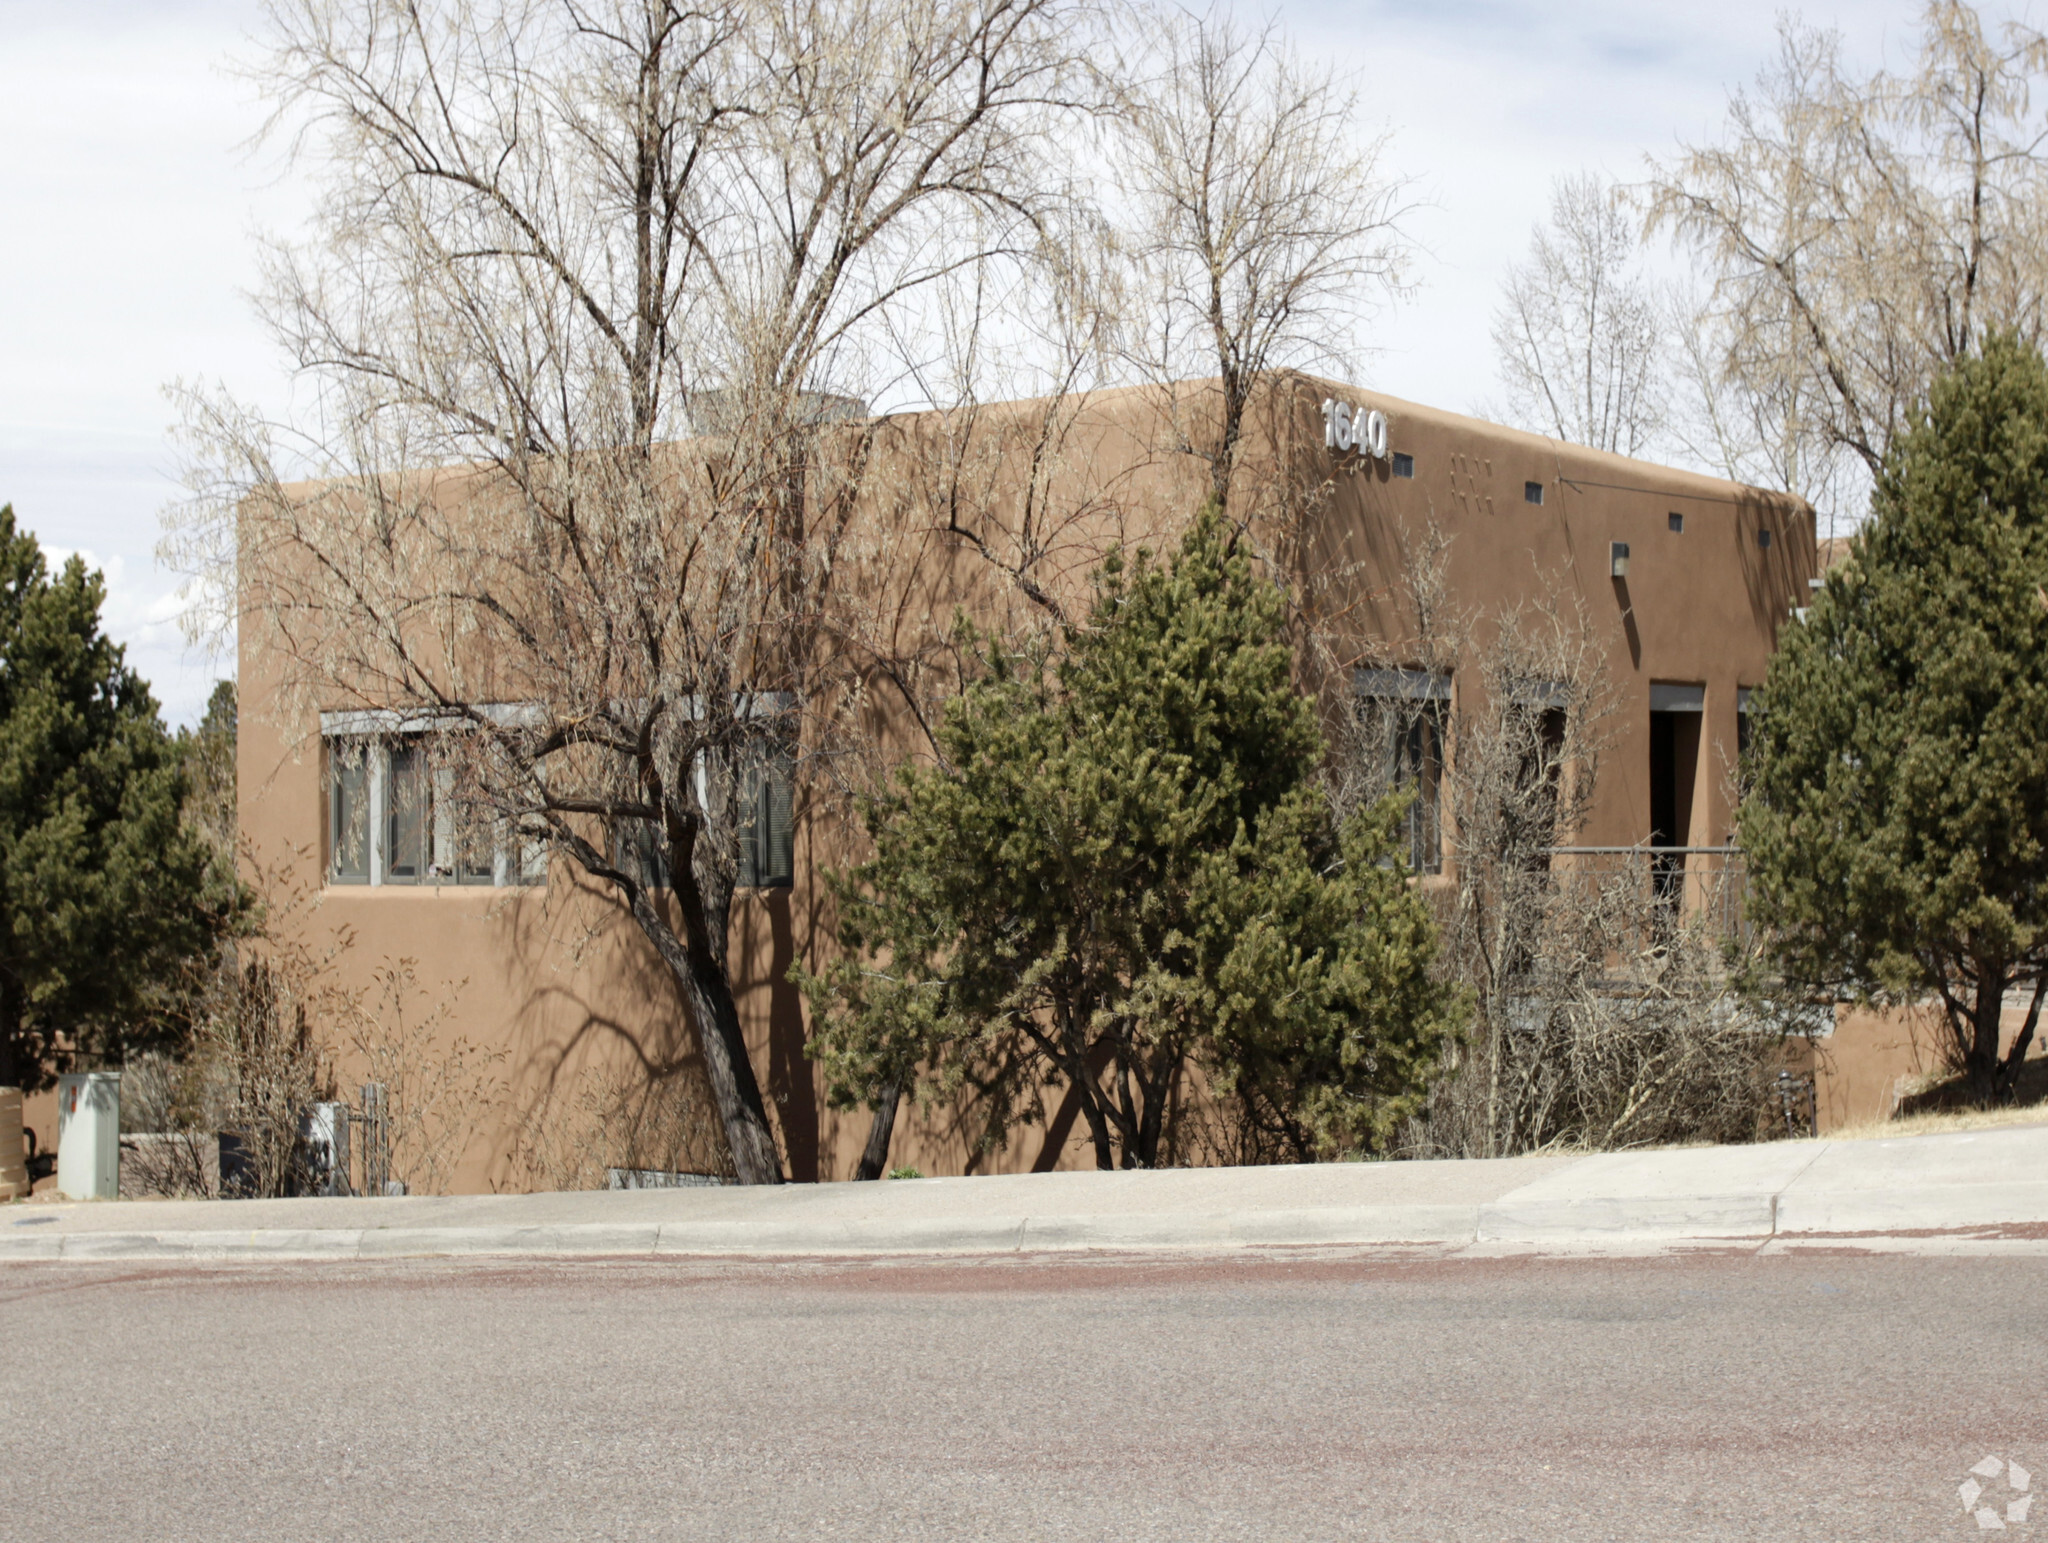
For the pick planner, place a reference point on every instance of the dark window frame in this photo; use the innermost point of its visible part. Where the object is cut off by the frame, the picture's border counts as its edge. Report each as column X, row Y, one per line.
column 1413, row 708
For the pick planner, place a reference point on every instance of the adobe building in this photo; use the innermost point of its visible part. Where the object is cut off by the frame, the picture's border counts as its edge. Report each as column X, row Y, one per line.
column 539, row 1013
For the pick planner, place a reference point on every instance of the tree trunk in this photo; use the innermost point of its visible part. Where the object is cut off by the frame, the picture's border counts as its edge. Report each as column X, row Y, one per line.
column 1158, row 1091
column 1071, row 1053
column 2015, row 1058
column 875, row 1159
column 706, row 909
column 1098, row 1128
column 1980, row 1041
column 707, row 997
column 731, row 1074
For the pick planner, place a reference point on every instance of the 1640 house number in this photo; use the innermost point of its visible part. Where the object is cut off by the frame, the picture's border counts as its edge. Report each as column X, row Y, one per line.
column 1354, row 428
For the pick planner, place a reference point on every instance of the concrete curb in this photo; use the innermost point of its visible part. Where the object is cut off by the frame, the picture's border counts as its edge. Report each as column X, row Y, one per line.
column 1710, row 1216
column 1573, row 1226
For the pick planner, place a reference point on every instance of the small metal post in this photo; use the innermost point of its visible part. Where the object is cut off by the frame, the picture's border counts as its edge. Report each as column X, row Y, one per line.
column 376, row 1140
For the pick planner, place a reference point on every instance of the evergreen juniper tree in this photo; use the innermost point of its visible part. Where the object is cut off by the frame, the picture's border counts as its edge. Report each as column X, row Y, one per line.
column 1126, row 866
column 1897, row 824
column 105, row 894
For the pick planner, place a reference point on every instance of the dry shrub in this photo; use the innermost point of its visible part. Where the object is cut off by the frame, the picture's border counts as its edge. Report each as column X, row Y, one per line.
column 178, row 1165
column 1627, row 1030
column 252, row 1068
column 168, row 1146
column 1219, row 1134
column 1603, row 1011
column 439, row 1092
column 273, row 1072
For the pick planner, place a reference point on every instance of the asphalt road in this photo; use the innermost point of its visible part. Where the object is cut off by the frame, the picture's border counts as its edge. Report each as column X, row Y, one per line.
column 1730, row 1397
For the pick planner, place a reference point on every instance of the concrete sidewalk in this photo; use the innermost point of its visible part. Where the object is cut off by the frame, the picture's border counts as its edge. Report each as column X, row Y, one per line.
column 1977, row 1189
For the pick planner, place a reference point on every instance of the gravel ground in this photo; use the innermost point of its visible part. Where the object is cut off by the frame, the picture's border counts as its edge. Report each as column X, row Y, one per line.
column 1727, row 1396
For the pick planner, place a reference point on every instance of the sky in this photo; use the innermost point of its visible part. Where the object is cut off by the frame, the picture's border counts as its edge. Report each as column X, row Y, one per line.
column 130, row 198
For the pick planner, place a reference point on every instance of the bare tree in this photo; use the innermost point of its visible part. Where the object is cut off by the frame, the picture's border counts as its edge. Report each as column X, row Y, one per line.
column 626, row 269
column 1262, row 221
column 1602, row 1012
column 1521, row 759
column 1860, row 235
column 1579, row 327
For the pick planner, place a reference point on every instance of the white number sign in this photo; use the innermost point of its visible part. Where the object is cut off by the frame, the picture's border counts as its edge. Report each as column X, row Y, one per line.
column 1353, row 428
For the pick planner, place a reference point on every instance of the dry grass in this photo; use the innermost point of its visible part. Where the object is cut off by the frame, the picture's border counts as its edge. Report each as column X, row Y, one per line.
column 1941, row 1105
column 1941, row 1122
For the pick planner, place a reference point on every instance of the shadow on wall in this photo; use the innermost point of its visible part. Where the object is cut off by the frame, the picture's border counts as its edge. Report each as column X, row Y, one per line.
column 764, row 925
column 1774, row 575
column 1869, row 1069
column 613, row 1083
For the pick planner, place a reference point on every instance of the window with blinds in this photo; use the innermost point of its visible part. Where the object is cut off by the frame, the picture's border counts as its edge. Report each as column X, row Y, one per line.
column 391, row 819
column 763, row 807
column 767, row 836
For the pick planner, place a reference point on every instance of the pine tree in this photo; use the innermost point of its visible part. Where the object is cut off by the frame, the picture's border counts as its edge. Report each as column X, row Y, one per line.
column 1124, row 867
column 105, row 894
column 1897, row 826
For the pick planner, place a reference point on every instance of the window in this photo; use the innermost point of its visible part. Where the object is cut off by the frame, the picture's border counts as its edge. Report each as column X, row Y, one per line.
column 348, row 814
column 641, row 853
column 1533, row 728
column 1532, row 492
column 1677, row 523
column 408, row 813
column 392, row 817
column 1763, row 539
column 767, row 840
column 476, row 853
column 1401, row 713
column 1404, row 465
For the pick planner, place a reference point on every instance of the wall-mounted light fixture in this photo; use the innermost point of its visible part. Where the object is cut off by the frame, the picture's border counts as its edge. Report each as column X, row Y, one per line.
column 1617, row 559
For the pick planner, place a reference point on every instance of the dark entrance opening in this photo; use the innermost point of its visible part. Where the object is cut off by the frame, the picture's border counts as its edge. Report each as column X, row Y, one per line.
column 1676, row 713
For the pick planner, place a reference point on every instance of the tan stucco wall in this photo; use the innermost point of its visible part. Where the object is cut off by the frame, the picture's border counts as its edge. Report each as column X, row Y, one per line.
column 573, row 997
column 1877, row 1056
column 1698, row 608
